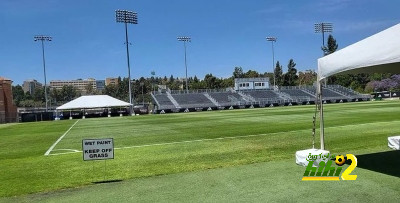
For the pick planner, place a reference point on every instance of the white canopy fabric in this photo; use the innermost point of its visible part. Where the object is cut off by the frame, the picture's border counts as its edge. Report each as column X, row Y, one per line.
column 93, row 101
column 379, row 53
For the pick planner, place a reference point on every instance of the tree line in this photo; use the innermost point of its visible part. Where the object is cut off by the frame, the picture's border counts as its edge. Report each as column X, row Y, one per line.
column 142, row 87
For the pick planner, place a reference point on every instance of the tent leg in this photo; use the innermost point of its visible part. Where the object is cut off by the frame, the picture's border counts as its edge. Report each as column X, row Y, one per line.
column 321, row 114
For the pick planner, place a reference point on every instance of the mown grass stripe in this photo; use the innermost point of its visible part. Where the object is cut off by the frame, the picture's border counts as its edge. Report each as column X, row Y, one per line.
column 223, row 138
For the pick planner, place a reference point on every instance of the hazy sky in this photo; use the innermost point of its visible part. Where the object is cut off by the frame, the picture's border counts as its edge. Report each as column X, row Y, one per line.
column 87, row 41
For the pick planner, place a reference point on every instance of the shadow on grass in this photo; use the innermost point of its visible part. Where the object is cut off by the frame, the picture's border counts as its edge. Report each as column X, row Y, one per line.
column 382, row 162
column 106, row 181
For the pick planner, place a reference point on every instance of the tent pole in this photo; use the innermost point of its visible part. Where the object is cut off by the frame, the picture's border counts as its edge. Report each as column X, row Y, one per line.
column 321, row 113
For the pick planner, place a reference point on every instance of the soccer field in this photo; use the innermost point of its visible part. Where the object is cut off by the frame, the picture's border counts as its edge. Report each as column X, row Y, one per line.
column 183, row 143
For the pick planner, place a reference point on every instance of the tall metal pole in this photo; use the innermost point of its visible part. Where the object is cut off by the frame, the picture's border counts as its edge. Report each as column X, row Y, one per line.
column 185, row 39
column 42, row 38
column 44, row 73
column 272, row 40
column 124, row 16
column 129, row 67
column 321, row 27
column 187, row 88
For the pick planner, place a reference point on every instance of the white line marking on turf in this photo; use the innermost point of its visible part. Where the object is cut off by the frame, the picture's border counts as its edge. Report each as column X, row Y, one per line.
column 223, row 138
column 59, row 139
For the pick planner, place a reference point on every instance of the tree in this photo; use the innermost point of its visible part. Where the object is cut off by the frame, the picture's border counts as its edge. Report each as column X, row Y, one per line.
column 28, row 96
column 55, row 95
column 212, row 82
column 278, row 74
column 18, row 94
column 89, row 89
column 68, row 92
column 307, row 77
column 332, row 46
column 238, row 72
column 38, row 94
column 251, row 74
column 227, row 82
column 291, row 76
column 111, row 90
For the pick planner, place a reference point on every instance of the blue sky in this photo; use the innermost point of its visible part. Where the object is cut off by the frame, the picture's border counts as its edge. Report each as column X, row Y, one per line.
column 87, row 42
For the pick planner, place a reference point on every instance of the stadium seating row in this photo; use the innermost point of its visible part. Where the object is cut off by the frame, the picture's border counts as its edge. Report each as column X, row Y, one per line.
column 285, row 95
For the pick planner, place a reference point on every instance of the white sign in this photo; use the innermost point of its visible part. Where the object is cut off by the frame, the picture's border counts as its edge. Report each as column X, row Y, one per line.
column 98, row 149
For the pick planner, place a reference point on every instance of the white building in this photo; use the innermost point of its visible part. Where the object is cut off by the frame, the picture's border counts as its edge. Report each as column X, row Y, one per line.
column 251, row 83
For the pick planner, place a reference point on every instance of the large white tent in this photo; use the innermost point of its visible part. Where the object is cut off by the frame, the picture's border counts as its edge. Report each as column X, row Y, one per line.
column 93, row 101
column 379, row 53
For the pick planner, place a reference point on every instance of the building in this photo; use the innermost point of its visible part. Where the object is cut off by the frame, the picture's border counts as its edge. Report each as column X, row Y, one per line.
column 79, row 84
column 251, row 83
column 100, row 84
column 111, row 81
column 8, row 111
column 31, row 85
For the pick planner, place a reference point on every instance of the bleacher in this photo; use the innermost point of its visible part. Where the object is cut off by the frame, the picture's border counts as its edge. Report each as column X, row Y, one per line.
column 326, row 93
column 263, row 94
column 164, row 101
column 192, row 100
column 223, row 98
column 344, row 91
column 296, row 93
column 226, row 98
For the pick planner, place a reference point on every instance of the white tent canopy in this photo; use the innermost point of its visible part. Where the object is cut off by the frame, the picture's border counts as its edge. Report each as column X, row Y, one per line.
column 379, row 53
column 93, row 101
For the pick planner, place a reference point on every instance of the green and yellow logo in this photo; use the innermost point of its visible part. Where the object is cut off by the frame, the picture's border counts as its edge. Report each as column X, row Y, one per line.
column 328, row 172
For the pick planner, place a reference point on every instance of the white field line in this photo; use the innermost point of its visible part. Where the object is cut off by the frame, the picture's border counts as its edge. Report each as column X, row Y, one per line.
column 223, row 138
column 59, row 139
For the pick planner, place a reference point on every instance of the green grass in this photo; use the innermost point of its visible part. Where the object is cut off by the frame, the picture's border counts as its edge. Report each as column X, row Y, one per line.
column 350, row 128
column 275, row 181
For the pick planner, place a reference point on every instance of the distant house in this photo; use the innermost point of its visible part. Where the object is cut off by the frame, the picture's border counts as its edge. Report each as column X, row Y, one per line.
column 251, row 83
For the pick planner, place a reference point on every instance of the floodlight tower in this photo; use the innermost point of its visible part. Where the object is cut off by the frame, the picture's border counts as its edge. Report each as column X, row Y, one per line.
column 322, row 28
column 124, row 16
column 184, row 40
column 272, row 40
column 43, row 38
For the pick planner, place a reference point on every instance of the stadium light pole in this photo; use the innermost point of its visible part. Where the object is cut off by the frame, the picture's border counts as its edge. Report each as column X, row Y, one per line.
column 321, row 27
column 272, row 40
column 43, row 38
column 184, row 40
column 124, row 16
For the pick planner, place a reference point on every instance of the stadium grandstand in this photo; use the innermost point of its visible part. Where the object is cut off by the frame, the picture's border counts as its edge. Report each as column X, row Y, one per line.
column 167, row 100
